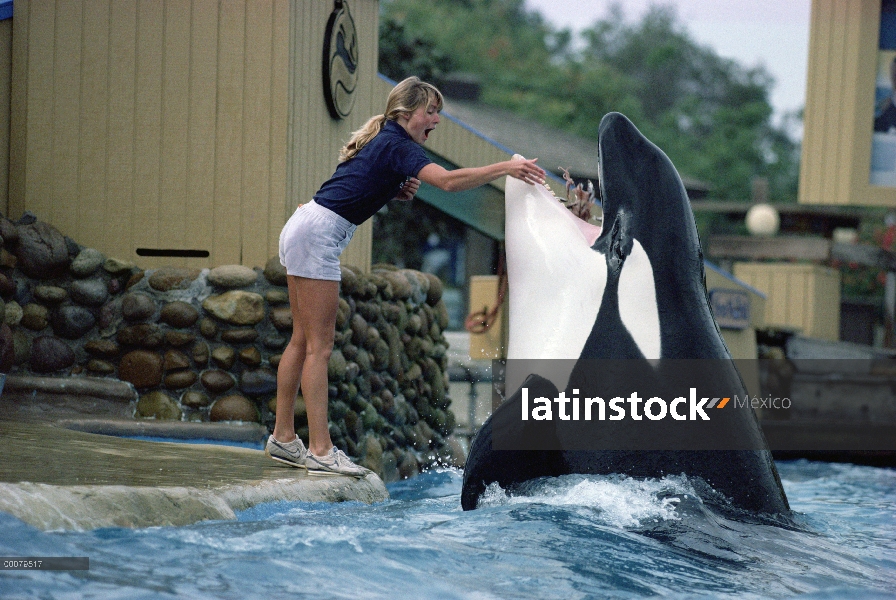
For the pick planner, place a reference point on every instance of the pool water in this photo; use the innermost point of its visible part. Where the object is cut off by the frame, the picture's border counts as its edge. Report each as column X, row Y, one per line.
column 569, row 537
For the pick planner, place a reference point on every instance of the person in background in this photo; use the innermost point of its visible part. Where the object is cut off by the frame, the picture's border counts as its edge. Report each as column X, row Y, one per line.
column 382, row 160
column 885, row 114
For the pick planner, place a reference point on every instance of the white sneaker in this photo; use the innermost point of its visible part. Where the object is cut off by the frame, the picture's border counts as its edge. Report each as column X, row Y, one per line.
column 291, row 453
column 334, row 463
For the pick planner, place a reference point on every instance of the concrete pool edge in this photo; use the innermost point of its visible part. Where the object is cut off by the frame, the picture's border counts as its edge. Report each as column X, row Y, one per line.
column 55, row 478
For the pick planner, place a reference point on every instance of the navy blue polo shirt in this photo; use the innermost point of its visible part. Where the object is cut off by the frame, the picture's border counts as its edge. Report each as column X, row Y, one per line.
column 363, row 184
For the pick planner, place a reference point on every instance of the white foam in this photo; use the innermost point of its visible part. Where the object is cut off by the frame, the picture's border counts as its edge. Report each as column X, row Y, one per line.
column 617, row 501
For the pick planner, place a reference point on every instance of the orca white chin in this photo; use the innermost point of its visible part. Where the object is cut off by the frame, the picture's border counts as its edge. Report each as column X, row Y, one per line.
column 557, row 281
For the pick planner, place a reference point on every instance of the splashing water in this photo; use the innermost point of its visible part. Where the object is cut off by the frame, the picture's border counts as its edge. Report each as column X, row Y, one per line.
column 569, row 537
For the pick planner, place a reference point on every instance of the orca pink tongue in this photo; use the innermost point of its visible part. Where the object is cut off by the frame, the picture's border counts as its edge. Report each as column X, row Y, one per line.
column 591, row 232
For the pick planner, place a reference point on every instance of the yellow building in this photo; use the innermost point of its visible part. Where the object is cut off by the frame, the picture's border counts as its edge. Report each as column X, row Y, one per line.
column 187, row 131
column 845, row 161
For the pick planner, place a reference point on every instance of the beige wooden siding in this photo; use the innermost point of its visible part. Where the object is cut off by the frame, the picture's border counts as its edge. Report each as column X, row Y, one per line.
column 800, row 296
column 5, row 96
column 836, row 151
column 315, row 137
column 176, row 124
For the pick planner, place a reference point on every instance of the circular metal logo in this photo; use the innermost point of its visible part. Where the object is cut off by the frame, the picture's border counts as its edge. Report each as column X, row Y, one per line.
column 340, row 61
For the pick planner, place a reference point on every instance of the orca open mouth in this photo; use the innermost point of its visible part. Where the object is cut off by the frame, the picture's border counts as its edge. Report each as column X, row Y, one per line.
column 577, row 290
column 619, row 305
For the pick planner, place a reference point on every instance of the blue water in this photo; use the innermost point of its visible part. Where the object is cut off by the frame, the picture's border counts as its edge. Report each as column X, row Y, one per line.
column 258, row 445
column 571, row 537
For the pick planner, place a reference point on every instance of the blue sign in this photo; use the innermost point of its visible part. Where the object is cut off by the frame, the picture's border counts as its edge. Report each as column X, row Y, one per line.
column 731, row 308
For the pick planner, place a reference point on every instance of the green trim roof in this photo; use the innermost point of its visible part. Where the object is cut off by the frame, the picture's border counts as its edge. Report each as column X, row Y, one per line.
column 481, row 208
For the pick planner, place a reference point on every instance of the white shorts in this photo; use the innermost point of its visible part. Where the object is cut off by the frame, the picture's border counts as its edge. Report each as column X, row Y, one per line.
column 312, row 240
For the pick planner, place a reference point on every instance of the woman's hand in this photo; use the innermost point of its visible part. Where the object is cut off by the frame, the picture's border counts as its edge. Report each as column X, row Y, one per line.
column 408, row 189
column 526, row 170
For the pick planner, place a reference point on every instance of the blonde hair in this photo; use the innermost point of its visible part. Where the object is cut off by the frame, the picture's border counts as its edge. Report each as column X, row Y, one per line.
column 405, row 98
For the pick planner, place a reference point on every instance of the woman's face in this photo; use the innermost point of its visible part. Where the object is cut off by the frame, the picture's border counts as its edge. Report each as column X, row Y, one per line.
column 420, row 123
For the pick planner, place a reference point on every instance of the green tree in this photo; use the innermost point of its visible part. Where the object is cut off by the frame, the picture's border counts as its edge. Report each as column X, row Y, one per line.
column 709, row 114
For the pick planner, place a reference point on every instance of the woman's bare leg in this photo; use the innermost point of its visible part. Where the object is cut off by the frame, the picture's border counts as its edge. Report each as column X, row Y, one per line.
column 289, row 373
column 313, row 303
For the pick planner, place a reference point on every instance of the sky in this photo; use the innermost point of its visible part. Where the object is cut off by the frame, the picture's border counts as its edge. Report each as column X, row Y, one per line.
column 771, row 33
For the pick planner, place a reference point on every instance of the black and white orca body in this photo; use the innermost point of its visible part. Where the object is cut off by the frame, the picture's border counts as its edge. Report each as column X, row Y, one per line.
column 584, row 300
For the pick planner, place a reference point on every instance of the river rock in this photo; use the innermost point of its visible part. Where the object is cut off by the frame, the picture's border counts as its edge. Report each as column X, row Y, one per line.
column 408, row 466
column 257, row 382
column 240, row 336
column 224, row 356
column 117, row 266
column 50, row 354
column 137, row 307
column 8, row 232
column 42, row 252
column 50, row 294
column 208, row 328
column 72, row 322
column 110, row 317
column 87, row 262
column 401, row 289
column 8, row 260
column 251, row 356
column 135, row 278
column 159, row 405
column 12, row 313
column 336, row 366
column 175, row 360
column 142, row 368
column 276, row 296
column 7, row 286
column 349, row 282
column 194, row 399
column 233, row 408
column 144, row 335
column 435, row 289
column 172, row 278
column 100, row 367
column 21, row 342
column 102, row 348
column 237, row 307
column 274, row 342
column 200, row 354
column 281, row 318
column 371, row 451
column 217, row 381
column 179, row 338
column 274, row 272
column 89, row 292
column 179, row 314
column 232, row 276
column 7, row 348
column 179, row 380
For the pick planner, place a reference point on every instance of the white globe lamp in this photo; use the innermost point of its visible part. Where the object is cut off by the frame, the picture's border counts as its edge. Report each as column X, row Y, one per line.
column 763, row 220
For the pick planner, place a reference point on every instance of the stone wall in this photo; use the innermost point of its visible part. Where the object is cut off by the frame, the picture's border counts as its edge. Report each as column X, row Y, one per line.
column 205, row 344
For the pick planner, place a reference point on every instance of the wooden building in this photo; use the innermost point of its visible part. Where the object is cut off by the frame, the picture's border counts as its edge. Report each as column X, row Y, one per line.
column 852, row 45
column 188, row 131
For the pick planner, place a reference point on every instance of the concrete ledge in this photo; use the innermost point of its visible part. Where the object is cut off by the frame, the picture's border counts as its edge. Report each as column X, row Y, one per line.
column 85, row 507
column 56, row 478
column 180, row 430
column 97, row 387
column 49, row 398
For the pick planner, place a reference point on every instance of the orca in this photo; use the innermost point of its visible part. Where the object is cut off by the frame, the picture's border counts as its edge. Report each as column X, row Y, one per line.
column 597, row 310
